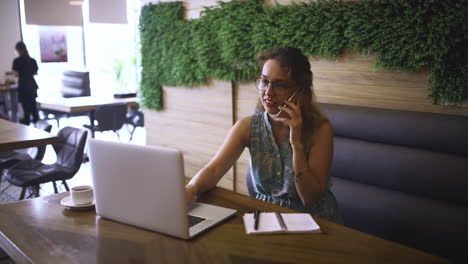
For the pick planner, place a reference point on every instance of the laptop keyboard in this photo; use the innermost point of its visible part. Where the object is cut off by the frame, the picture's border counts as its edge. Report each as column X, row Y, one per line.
column 193, row 220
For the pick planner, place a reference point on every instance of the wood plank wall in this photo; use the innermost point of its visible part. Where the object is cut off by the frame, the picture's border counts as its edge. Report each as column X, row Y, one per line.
column 353, row 80
column 197, row 120
column 194, row 120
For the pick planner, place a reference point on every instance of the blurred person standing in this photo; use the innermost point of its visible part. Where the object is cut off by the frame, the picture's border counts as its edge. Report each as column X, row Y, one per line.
column 25, row 68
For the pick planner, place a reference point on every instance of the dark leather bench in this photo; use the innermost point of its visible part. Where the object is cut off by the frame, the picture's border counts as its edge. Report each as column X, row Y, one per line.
column 403, row 176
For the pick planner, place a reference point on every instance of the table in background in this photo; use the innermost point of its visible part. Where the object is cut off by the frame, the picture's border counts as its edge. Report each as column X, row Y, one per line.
column 83, row 104
column 10, row 101
column 17, row 136
column 40, row 230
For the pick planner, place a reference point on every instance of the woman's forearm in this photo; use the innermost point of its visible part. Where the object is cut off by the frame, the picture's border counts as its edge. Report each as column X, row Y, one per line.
column 203, row 181
column 308, row 185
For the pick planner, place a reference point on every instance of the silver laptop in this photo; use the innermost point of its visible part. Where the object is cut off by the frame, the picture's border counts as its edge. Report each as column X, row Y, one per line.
column 144, row 186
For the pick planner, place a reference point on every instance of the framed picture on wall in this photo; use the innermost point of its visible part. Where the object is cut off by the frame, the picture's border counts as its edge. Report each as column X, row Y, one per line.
column 53, row 44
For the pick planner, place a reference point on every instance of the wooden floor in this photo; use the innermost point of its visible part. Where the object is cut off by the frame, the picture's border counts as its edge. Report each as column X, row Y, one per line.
column 10, row 193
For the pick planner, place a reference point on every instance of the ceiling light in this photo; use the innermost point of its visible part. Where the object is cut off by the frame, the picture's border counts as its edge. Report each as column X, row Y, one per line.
column 76, row 2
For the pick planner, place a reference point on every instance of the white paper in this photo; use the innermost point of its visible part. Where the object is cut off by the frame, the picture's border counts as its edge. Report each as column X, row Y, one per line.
column 268, row 224
column 300, row 222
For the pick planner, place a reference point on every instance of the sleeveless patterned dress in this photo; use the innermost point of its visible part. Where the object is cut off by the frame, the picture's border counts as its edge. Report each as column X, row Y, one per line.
column 272, row 173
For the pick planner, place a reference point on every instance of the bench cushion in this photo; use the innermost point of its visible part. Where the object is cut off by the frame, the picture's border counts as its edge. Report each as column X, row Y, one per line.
column 432, row 175
column 429, row 225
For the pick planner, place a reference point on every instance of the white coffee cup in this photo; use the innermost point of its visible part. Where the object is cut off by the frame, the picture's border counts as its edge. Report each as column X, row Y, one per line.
column 82, row 194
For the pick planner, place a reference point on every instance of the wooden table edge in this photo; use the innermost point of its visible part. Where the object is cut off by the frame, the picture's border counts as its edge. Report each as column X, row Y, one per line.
column 53, row 107
column 13, row 251
column 29, row 143
column 73, row 109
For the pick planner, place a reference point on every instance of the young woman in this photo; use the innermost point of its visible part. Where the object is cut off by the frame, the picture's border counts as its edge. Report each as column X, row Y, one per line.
column 25, row 68
column 290, row 141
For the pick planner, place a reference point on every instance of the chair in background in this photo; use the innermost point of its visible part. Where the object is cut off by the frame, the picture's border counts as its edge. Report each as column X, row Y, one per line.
column 135, row 118
column 9, row 101
column 29, row 174
column 74, row 84
column 3, row 255
column 37, row 153
column 3, row 105
column 109, row 118
column 9, row 158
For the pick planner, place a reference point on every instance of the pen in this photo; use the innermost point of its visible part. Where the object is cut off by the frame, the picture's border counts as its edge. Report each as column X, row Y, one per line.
column 281, row 221
column 257, row 218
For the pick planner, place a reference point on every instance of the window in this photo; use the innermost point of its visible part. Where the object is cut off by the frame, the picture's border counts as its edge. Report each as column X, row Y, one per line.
column 108, row 51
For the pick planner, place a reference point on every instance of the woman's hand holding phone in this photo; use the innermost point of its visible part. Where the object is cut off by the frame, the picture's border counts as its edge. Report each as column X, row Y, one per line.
column 290, row 114
column 282, row 113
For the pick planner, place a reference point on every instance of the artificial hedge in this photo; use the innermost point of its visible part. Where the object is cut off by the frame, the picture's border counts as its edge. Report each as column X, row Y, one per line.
column 406, row 35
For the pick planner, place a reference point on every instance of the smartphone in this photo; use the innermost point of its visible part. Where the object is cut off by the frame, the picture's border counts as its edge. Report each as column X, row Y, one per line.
column 283, row 114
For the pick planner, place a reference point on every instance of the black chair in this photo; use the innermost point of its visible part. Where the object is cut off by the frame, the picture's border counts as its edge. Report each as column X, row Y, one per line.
column 135, row 118
column 3, row 255
column 74, row 84
column 9, row 158
column 109, row 118
column 4, row 106
column 29, row 174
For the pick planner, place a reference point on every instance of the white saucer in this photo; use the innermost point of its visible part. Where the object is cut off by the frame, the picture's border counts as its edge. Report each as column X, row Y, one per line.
column 66, row 201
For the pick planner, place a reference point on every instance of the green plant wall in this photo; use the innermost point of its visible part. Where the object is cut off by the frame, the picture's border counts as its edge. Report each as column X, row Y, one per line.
column 406, row 35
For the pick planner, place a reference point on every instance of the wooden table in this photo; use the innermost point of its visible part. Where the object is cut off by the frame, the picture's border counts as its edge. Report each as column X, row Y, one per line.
column 83, row 104
column 40, row 230
column 17, row 136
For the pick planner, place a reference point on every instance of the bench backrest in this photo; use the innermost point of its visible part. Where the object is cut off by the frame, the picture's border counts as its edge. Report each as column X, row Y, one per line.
column 403, row 176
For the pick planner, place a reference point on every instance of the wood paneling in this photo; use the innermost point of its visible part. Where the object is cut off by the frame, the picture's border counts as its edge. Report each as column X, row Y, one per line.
column 242, row 165
column 245, row 100
column 353, row 80
column 193, row 9
column 290, row 2
column 195, row 121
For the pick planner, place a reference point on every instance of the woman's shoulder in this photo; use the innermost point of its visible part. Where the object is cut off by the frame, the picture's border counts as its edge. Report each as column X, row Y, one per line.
column 17, row 60
column 241, row 129
column 323, row 128
column 22, row 60
column 324, row 123
column 244, row 122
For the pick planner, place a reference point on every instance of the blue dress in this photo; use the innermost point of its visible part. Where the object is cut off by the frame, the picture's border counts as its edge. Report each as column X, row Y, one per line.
column 272, row 173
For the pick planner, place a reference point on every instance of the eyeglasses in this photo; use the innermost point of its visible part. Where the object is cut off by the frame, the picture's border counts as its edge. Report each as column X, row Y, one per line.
column 279, row 86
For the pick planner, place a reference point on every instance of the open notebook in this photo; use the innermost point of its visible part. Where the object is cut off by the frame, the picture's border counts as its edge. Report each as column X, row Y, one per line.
column 270, row 223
